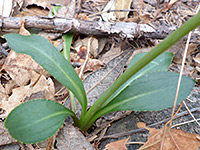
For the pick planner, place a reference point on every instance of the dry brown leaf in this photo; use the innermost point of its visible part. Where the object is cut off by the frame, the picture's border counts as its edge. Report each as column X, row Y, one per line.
column 19, row 67
column 9, row 86
column 146, row 18
column 83, row 16
column 3, row 97
column 2, row 89
column 117, row 145
column 141, row 125
column 20, row 94
column 84, row 42
column 112, row 53
column 92, row 65
column 122, row 5
column 173, row 140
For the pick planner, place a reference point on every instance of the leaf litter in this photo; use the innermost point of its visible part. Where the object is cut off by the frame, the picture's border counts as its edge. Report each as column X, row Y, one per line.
column 117, row 145
column 3, row 89
column 27, row 81
column 169, row 139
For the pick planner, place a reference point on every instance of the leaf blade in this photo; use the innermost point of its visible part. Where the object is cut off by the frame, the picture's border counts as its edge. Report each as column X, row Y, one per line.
column 37, row 120
column 150, row 93
column 161, row 63
column 44, row 53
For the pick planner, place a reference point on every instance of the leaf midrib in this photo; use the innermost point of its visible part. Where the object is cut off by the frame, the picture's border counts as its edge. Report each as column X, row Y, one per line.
column 42, row 119
column 60, row 68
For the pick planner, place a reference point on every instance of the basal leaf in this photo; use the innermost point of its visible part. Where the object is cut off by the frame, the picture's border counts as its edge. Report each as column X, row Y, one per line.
column 161, row 63
column 36, row 120
column 44, row 53
column 151, row 92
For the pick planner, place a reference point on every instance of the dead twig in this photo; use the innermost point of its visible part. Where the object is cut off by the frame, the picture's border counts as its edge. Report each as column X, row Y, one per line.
column 63, row 24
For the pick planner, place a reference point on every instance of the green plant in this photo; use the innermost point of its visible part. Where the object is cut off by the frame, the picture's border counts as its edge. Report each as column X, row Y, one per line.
column 140, row 89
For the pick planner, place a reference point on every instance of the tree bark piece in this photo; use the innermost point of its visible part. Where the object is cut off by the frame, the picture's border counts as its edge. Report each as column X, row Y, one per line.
column 62, row 25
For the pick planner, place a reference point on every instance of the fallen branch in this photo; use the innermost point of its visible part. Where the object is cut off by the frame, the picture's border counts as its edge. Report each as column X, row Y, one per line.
column 62, row 25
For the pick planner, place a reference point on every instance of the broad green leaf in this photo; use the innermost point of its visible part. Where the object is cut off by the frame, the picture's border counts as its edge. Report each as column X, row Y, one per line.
column 154, row 91
column 161, row 63
column 37, row 120
column 44, row 53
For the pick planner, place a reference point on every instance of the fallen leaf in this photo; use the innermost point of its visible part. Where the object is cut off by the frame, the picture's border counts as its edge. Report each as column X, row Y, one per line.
column 9, row 86
column 146, row 18
column 122, row 5
column 3, row 97
column 78, row 44
column 2, row 89
column 112, row 53
column 22, row 93
column 92, row 65
column 174, row 139
column 71, row 138
column 19, row 67
column 109, row 16
column 83, row 16
column 117, row 145
column 141, row 125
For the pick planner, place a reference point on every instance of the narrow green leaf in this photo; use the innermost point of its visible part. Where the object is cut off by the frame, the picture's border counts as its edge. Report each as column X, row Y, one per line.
column 67, row 37
column 44, row 53
column 154, row 91
column 161, row 63
column 36, row 120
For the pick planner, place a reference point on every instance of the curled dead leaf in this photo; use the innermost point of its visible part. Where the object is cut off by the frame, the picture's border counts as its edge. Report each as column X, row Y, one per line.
column 171, row 139
column 92, row 65
column 44, row 88
column 19, row 67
